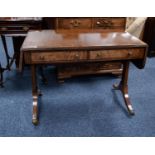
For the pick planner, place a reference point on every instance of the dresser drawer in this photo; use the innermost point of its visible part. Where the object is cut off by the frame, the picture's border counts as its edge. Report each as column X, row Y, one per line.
column 117, row 54
column 110, row 23
column 74, row 23
column 57, row 56
column 17, row 28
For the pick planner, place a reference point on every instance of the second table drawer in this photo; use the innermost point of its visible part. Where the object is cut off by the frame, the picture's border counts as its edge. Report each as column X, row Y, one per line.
column 117, row 54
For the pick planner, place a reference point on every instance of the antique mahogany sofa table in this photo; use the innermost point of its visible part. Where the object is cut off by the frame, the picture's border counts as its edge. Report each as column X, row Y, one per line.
column 61, row 47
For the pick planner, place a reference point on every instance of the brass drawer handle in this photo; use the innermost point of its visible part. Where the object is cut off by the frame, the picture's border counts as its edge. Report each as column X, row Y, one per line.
column 4, row 28
column 129, row 53
column 98, row 54
column 98, row 23
column 25, row 28
column 77, row 56
column 42, row 58
column 75, row 23
column 104, row 23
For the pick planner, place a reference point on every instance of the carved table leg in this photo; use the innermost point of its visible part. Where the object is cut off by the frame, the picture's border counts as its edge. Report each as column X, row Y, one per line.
column 123, row 86
column 35, row 93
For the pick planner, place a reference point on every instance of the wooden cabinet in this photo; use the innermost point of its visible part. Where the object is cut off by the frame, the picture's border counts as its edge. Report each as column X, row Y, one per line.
column 93, row 24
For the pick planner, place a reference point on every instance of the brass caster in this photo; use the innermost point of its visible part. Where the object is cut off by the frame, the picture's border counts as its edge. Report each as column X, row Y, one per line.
column 35, row 121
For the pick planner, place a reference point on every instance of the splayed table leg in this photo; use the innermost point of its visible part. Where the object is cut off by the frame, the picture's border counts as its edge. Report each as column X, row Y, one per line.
column 123, row 87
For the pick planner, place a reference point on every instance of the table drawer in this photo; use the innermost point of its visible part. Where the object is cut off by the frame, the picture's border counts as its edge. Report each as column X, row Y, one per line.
column 117, row 54
column 109, row 23
column 58, row 56
column 74, row 23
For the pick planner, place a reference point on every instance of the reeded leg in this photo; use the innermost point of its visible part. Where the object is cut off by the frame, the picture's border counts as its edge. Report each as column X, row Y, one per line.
column 123, row 86
column 35, row 93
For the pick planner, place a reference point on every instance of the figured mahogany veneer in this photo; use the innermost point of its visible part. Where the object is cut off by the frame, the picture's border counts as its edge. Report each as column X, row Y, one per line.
column 66, row 48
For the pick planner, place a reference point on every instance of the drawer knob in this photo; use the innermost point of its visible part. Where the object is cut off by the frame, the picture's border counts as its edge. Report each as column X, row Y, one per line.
column 98, row 54
column 42, row 57
column 104, row 23
column 98, row 23
column 75, row 23
column 77, row 56
column 129, row 53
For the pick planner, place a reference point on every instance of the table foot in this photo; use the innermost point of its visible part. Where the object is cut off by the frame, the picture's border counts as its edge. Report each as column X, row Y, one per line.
column 35, row 121
column 35, row 110
column 128, row 104
column 124, row 90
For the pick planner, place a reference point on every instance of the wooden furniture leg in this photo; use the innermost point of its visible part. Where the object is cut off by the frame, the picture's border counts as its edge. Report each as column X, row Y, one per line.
column 123, row 87
column 1, row 76
column 17, row 43
column 35, row 94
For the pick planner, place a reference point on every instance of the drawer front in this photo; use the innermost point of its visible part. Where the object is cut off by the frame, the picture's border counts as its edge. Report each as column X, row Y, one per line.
column 117, row 54
column 74, row 23
column 111, row 23
column 48, row 57
column 23, row 28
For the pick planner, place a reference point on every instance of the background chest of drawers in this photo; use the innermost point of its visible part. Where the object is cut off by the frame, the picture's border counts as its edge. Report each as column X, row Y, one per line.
column 18, row 25
column 92, row 24
column 17, row 28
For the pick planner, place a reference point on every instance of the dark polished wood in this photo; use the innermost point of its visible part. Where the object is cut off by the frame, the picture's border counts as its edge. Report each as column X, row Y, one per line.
column 66, row 47
column 123, row 87
column 98, row 24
